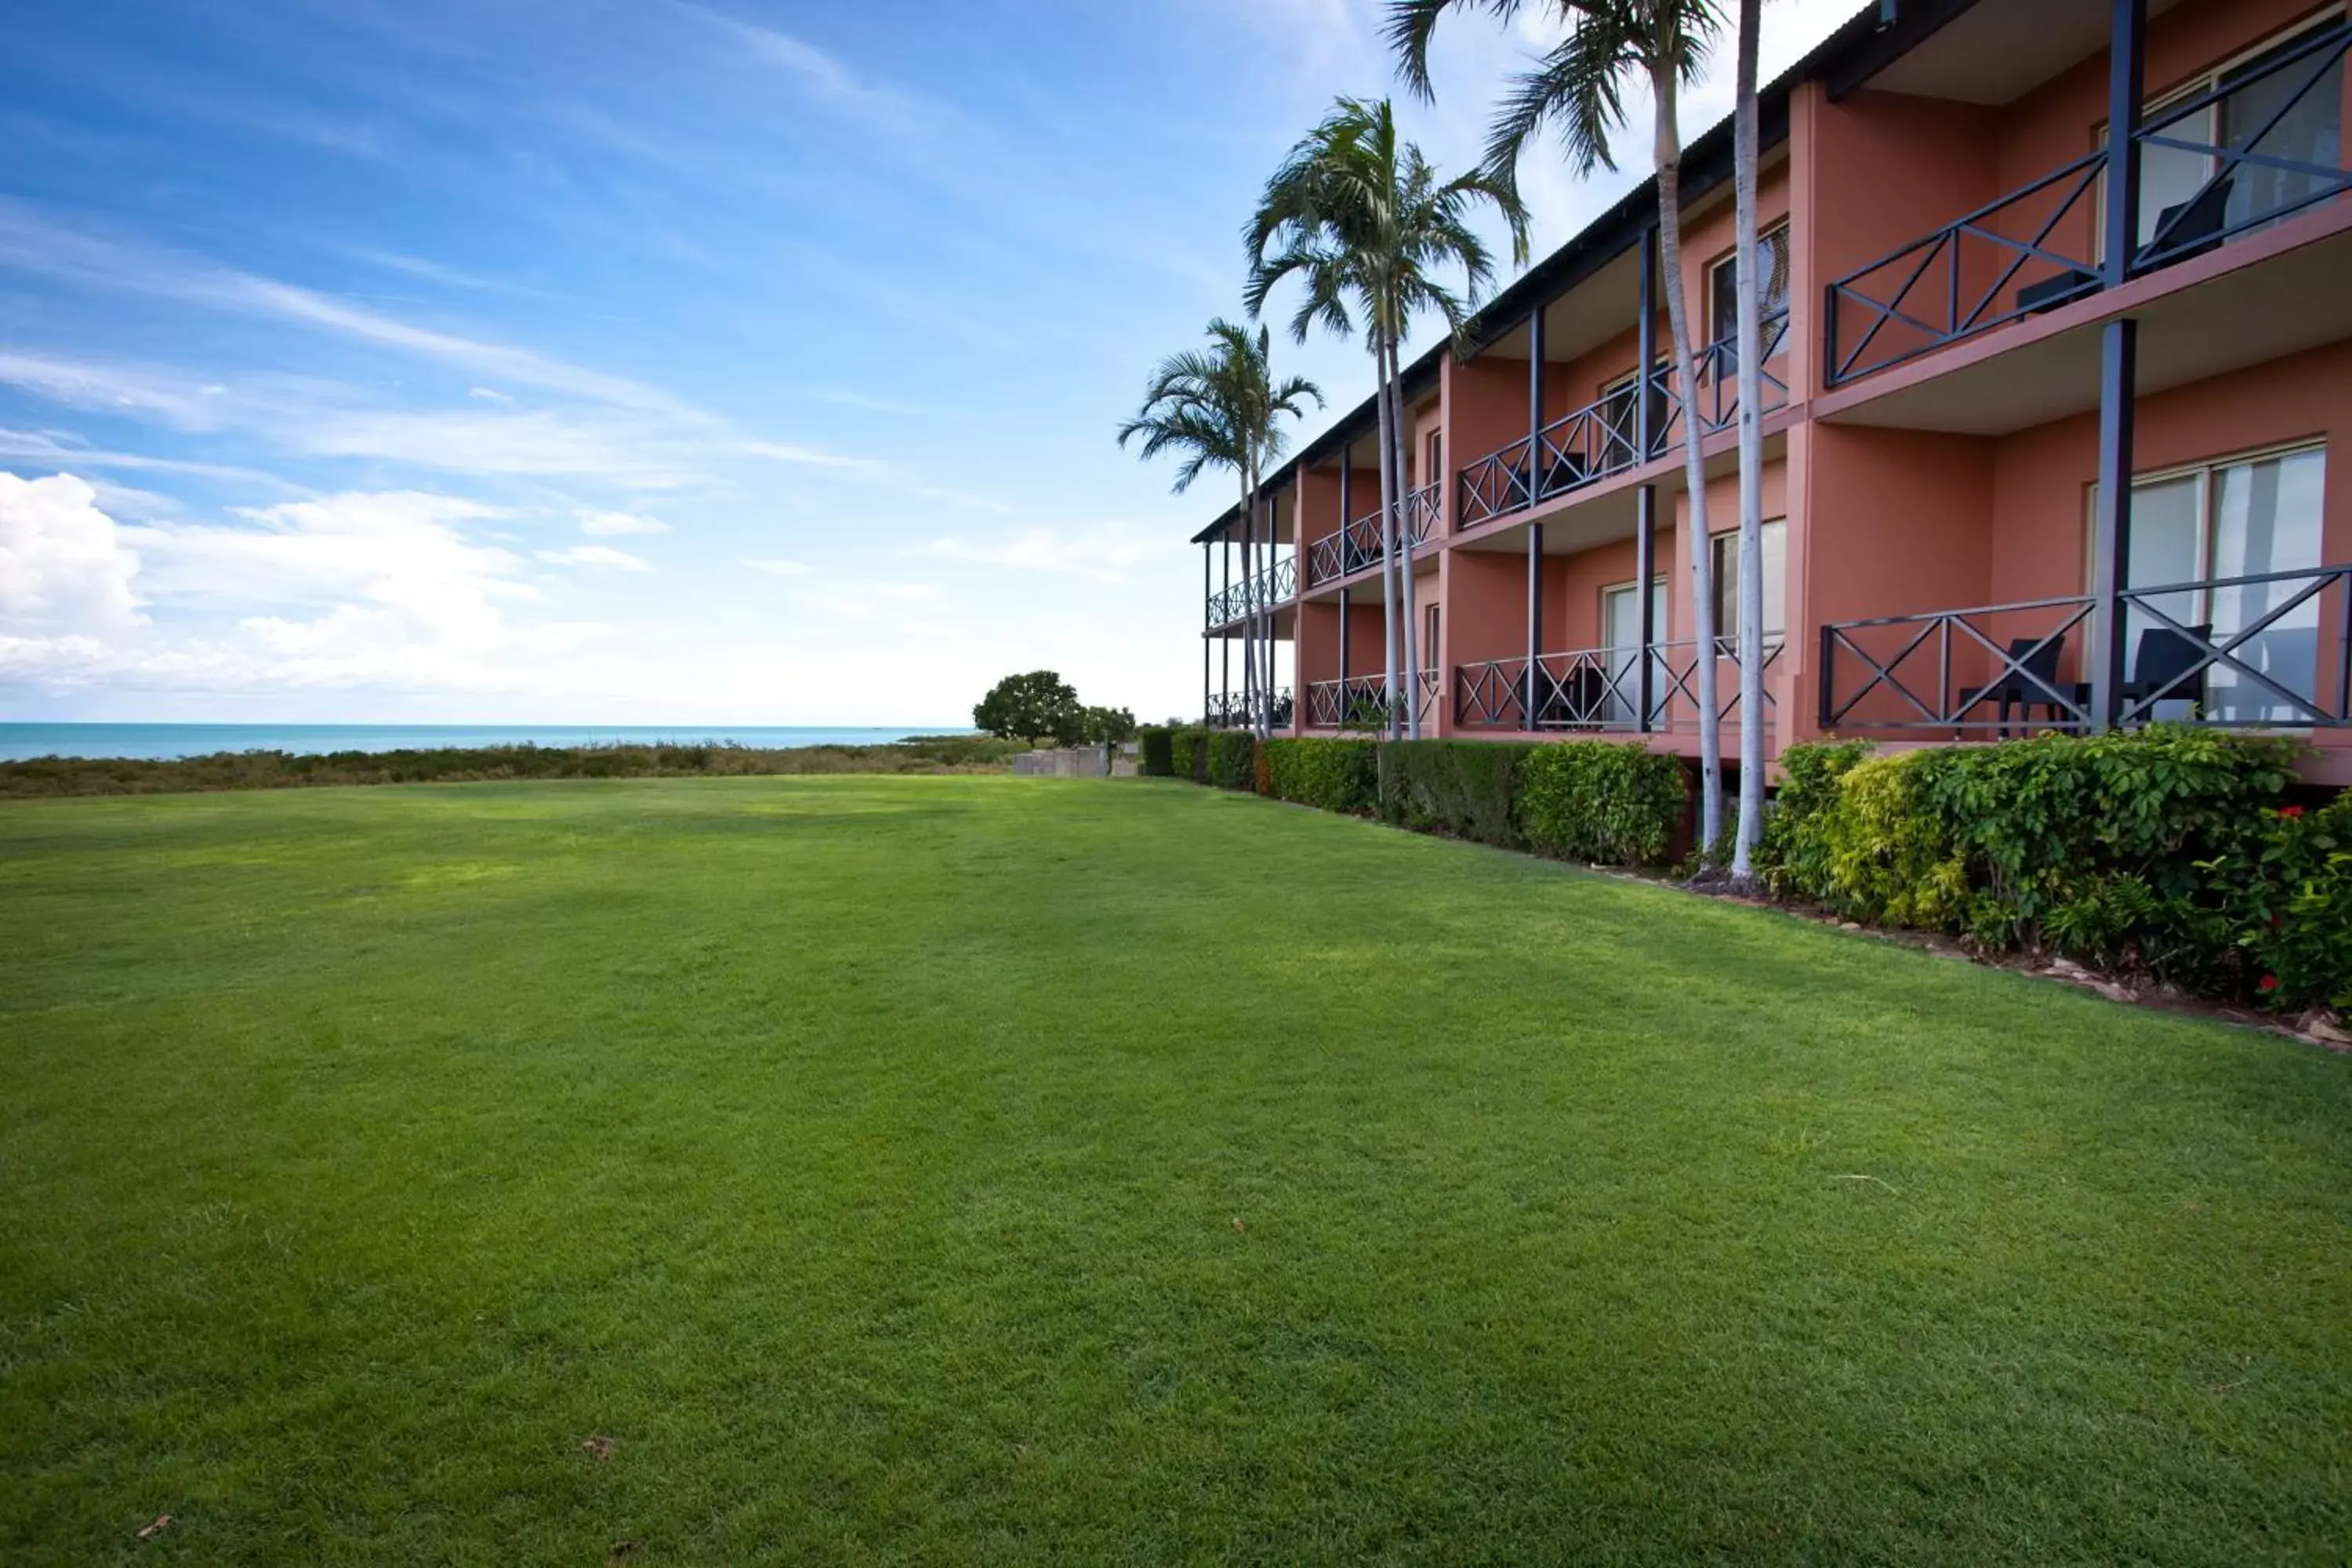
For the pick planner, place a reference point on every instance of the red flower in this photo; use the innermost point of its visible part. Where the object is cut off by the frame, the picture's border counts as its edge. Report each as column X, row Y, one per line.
column 2270, row 982
column 2290, row 812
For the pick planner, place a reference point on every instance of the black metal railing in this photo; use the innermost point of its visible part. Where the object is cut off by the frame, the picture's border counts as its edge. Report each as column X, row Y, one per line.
column 1352, row 549
column 1602, row 438
column 2233, row 652
column 2036, row 247
column 1231, row 709
column 1276, row 584
column 1593, row 687
column 1361, row 703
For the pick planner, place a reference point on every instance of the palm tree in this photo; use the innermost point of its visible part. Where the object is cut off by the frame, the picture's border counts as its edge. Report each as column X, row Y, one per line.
column 1577, row 89
column 1220, row 408
column 1749, row 347
column 1366, row 224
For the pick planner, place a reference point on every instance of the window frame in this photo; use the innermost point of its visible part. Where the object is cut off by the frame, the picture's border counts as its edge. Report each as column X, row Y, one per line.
column 1716, row 285
column 1726, row 642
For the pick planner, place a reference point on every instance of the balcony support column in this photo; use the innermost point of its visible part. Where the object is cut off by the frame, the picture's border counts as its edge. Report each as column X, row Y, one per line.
column 1208, row 590
column 1224, row 643
column 1530, row 706
column 2127, row 59
column 1347, row 502
column 1346, row 670
column 2111, row 533
column 1646, row 569
column 1646, row 347
column 1534, row 404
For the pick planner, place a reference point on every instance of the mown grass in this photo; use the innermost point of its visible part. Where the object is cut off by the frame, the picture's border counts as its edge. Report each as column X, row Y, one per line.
column 992, row 1169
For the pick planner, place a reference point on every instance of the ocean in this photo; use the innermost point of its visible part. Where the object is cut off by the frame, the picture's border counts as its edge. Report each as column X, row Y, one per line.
column 18, row 742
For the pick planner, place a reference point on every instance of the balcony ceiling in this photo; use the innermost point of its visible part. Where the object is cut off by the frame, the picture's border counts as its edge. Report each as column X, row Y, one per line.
column 1996, row 51
column 2286, row 304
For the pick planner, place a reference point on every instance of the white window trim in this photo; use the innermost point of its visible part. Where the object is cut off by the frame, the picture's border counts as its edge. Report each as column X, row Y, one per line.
column 2203, row 471
column 1729, row 258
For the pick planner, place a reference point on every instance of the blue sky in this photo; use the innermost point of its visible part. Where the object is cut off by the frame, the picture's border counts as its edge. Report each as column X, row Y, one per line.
column 643, row 360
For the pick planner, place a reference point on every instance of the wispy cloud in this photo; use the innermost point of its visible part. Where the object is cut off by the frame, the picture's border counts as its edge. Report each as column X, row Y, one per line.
column 600, row 557
column 615, row 524
column 1107, row 554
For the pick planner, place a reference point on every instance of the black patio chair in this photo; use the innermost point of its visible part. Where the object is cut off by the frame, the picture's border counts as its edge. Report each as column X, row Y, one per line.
column 2162, row 663
column 2030, row 657
column 2194, row 226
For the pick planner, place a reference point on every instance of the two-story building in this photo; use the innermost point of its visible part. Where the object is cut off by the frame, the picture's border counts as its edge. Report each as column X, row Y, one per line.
column 2034, row 456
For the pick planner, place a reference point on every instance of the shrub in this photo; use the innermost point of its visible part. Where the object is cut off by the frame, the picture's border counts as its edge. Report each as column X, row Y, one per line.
column 1188, row 753
column 2168, row 850
column 1601, row 801
column 1334, row 775
column 1465, row 788
column 1233, row 763
column 1157, row 757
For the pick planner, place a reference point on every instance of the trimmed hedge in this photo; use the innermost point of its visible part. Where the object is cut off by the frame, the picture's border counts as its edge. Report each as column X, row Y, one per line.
column 1188, row 753
column 1334, row 775
column 1157, row 759
column 1603, row 802
column 1466, row 789
column 1233, row 760
column 2172, row 849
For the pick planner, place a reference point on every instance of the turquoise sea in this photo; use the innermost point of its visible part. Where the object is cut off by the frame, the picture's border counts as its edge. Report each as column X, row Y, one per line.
column 18, row 742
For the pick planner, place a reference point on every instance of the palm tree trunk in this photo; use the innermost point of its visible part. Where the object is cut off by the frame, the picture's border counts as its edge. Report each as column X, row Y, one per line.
column 1667, row 151
column 1386, row 420
column 1404, row 538
column 1751, row 348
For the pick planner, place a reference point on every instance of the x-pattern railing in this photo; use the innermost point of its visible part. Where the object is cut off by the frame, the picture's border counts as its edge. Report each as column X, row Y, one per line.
column 2187, row 233
column 1276, row 584
column 1603, row 437
column 1231, row 709
column 1593, row 687
column 2024, row 669
column 1678, row 665
column 1352, row 549
column 1360, row 701
column 1923, row 292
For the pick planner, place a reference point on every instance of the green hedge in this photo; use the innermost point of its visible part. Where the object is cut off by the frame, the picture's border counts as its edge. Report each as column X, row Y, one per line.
column 1157, row 758
column 1335, row 776
column 1603, row 802
column 1465, row 788
column 1233, row 760
column 2172, row 849
column 1188, row 753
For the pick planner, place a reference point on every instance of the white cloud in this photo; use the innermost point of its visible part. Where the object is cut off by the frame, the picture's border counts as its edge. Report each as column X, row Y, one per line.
column 601, row 556
column 1106, row 554
column 64, row 572
column 489, row 395
column 615, row 524
column 775, row 568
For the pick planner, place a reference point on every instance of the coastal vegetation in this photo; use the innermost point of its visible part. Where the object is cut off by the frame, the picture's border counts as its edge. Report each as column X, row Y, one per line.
column 454, row 765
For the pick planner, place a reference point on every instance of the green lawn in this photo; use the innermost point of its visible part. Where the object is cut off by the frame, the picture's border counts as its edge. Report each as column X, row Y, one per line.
column 993, row 1170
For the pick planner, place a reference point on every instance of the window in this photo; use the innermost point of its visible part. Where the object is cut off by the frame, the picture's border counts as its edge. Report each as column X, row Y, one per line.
column 1433, row 458
column 1429, row 659
column 1619, row 433
column 2309, row 130
column 2240, row 518
column 1771, row 295
column 1727, row 583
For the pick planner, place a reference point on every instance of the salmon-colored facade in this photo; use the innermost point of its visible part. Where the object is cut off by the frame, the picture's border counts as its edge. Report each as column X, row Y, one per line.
column 1962, row 338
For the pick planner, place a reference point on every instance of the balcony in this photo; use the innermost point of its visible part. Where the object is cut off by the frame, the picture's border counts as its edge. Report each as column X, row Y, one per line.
column 2263, row 144
column 2243, row 652
column 1599, row 439
column 1277, row 585
column 1357, row 546
column 1361, row 703
column 1231, row 709
column 1596, row 688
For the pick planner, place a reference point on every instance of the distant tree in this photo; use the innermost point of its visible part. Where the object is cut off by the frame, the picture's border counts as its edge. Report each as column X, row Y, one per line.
column 1038, row 706
column 1106, row 726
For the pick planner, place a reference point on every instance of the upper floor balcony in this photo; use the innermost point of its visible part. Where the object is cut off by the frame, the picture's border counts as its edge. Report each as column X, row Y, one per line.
column 1344, row 552
column 1603, row 437
column 1265, row 590
column 2234, row 144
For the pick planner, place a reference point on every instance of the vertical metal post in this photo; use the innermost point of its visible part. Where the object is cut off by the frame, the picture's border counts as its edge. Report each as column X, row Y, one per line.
column 1224, row 643
column 1646, row 569
column 2127, row 57
column 1346, row 670
column 1646, row 346
column 1535, row 405
column 1207, row 591
column 2111, row 536
column 1347, row 502
column 1531, row 706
